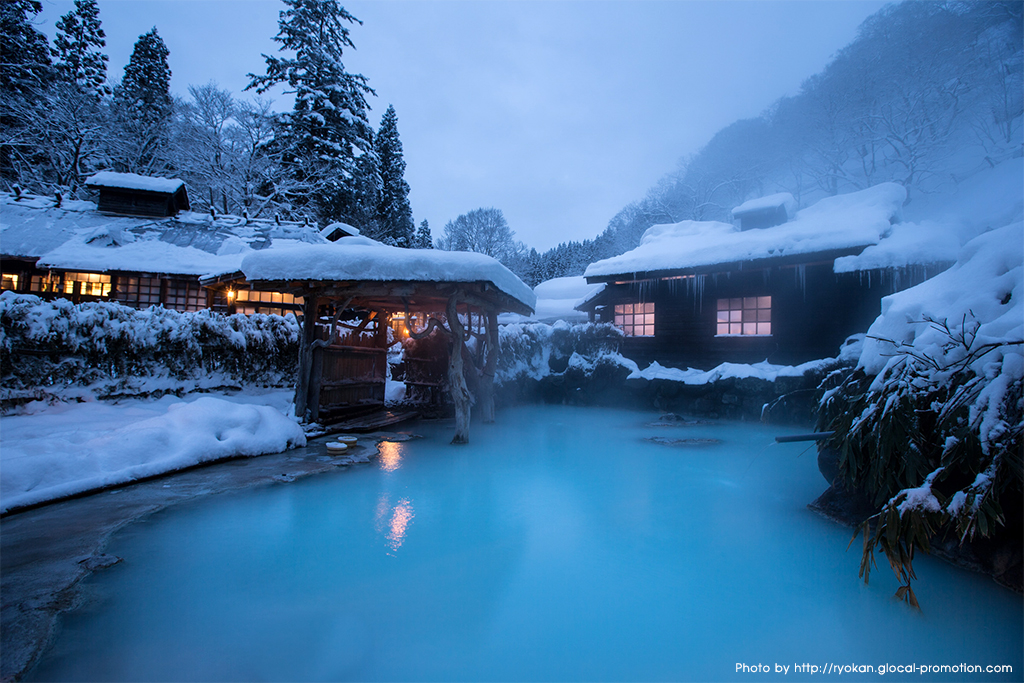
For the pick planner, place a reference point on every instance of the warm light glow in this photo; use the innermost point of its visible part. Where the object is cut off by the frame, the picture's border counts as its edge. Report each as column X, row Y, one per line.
column 395, row 528
column 390, row 455
column 400, row 519
column 231, row 294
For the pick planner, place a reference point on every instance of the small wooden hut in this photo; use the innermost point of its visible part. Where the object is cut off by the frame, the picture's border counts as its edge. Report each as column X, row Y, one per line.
column 129, row 194
column 351, row 291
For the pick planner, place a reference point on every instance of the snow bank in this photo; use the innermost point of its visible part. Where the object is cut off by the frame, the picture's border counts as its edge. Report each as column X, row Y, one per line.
column 763, row 370
column 984, row 289
column 971, row 315
column 68, row 449
column 849, row 221
column 355, row 258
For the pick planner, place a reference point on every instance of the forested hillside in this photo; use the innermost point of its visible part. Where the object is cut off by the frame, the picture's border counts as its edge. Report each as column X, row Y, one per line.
column 927, row 94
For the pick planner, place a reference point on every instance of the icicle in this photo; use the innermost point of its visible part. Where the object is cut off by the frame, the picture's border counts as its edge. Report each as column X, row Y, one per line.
column 801, row 279
column 699, row 288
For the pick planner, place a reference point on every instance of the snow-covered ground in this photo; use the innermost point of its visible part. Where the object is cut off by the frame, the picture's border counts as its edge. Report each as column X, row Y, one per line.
column 52, row 451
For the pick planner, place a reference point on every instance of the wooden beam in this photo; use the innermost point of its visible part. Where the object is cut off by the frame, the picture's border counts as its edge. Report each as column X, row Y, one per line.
column 490, row 366
column 310, row 305
column 456, row 376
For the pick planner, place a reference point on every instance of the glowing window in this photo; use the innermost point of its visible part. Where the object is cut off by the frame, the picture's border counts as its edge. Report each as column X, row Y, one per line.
column 10, row 281
column 636, row 320
column 89, row 284
column 745, row 316
column 48, row 283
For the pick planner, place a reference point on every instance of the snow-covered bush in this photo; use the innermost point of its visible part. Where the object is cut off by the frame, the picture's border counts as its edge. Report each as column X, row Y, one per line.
column 536, row 350
column 57, row 343
column 929, row 423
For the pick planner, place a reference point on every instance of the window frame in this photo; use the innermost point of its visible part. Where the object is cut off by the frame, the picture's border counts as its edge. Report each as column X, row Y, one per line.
column 626, row 315
column 746, row 316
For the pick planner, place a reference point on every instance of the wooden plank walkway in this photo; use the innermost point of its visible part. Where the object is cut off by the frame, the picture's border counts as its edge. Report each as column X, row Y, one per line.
column 371, row 422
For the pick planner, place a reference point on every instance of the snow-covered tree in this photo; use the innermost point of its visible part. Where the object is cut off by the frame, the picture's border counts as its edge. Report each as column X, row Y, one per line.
column 483, row 231
column 25, row 63
column 394, row 215
column 142, row 109
column 422, row 238
column 327, row 131
column 77, row 48
column 62, row 136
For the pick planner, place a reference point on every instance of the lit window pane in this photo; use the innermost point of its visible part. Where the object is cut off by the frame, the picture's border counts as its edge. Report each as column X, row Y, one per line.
column 764, row 328
column 749, row 315
column 749, row 328
column 735, row 316
column 764, row 315
column 723, row 304
column 723, row 328
column 764, row 302
column 723, row 316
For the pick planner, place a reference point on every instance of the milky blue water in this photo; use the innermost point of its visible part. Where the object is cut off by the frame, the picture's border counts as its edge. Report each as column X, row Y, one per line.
column 558, row 545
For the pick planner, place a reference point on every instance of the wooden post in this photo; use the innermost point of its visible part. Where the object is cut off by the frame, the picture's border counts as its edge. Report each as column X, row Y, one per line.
column 490, row 366
column 309, row 312
column 456, row 378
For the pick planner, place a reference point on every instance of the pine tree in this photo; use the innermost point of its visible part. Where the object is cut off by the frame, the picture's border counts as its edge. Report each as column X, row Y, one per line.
column 327, row 131
column 77, row 46
column 393, row 211
column 422, row 238
column 146, row 87
column 25, row 60
column 143, row 109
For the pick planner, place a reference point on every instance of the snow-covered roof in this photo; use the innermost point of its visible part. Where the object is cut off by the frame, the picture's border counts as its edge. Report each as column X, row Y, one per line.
column 844, row 222
column 76, row 236
column 358, row 258
column 908, row 244
column 344, row 228
column 772, row 201
column 557, row 300
column 131, row 181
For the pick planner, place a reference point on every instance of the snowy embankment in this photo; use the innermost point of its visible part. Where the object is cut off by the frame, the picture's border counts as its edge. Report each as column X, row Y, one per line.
column 53, row 451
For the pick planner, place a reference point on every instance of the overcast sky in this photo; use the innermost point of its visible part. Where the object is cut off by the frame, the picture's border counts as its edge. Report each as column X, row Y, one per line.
column 557, row 113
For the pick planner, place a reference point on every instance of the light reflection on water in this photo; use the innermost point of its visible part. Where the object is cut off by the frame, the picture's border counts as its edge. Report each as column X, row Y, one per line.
column 390, row 455
column 393, row 522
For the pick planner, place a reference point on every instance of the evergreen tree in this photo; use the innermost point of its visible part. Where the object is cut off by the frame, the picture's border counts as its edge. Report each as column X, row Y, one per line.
column 327, row 131
column 24, row 55
column 143, row 109
column 146, row 87
column 394, row 215
column 77, row 46
column 422, row 238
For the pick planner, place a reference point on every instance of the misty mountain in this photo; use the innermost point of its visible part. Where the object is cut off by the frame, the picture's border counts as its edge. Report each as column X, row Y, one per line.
column 925, row 95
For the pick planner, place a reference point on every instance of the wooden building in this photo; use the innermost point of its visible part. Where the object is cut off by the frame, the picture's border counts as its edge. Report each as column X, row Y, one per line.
column 700, row 294
column 354, row 291
column 129, row 194
column 56, row 248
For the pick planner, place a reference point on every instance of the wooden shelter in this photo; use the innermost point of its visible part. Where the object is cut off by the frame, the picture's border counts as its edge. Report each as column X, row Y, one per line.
column 346, row 320
column 129, row 194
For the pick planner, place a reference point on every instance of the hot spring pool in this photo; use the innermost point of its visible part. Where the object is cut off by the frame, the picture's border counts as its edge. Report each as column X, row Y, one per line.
column 558, row 545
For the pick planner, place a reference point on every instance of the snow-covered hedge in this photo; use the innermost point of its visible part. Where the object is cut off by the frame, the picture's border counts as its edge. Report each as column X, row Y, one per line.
column 114, row 349
column 536, row 350
column 930, row 422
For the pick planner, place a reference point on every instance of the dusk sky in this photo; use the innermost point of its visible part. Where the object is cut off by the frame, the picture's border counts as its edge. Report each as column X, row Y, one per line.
column 557, row 113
